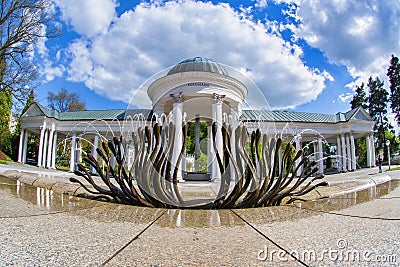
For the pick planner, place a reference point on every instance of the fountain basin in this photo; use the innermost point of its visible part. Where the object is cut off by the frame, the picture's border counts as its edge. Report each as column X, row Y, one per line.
column 197, row 176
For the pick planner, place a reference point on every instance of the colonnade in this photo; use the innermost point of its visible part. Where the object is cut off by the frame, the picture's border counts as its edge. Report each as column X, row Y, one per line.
column 345, row 152
column 76, row 151
column 47, row 151
column 177, row 114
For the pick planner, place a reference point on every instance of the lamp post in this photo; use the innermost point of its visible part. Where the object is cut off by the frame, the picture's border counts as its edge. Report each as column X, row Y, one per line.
column 388, row 146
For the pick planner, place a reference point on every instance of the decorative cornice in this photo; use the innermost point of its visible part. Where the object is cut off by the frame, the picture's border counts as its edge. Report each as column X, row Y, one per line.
column 177, row 98
column 218, row 99
column 168, row 82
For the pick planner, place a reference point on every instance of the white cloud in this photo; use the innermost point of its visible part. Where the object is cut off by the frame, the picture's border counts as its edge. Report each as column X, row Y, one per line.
column 359, row 34
column 143, row 41
column 40, row 45
column 48, row 68
column 51, row 72
column 361, row 26
column 261, row 3
column 88, row 17
column 345, row 98
column 80, row 68
column 328, row 76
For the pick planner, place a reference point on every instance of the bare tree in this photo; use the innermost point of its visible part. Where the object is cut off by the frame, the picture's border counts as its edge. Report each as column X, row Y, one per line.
column 65, row 101
column 23, row 23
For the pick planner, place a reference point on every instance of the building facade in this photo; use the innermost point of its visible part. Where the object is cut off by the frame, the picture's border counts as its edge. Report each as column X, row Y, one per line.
column 198, row 90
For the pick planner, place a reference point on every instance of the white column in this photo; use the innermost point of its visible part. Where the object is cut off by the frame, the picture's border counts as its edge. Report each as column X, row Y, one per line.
column 210, row 148
column 234, row 123
column 25, row 146
column 315, row 147
column 54, row 154
column 79, row 151
column 21, row 145
column 217, row 117
column 45, row 145
column 298, row 147
column 50, row 146
column 72, row 155
column 280, row 159
column 373, row 160
column 339, row 154
column 368, row 146
column 348, row 152
column 94, row 151
column 320, row 156
column 197, row 143
column 353, row 152
column 177, row 114
column 40, row 152
column 344, row 156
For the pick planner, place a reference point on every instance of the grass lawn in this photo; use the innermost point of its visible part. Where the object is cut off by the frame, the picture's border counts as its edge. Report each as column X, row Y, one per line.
column 394, row 169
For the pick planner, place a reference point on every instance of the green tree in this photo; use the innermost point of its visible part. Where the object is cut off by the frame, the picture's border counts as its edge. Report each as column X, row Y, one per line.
column 378, row 101
column 9, row 141
column 5, row 115
column 394, row 142
column 65, row 101
column 394, row 80
column 360, row 98
column 361, row 151
column 191, row 134
column 29, row 102
column 23, row 23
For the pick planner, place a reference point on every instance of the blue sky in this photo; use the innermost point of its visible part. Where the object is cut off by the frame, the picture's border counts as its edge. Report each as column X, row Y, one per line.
column 303, row 55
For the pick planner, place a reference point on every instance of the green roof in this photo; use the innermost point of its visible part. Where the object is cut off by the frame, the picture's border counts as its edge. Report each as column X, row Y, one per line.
column 247, row 115
column 293, row 116
column 113, row 114
column 47, row 112
column 89, row 115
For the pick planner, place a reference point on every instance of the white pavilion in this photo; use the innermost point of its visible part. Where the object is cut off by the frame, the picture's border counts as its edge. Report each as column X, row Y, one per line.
column 198, row 90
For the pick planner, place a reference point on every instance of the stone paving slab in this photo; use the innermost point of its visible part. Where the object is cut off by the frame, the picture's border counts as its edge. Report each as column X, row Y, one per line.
column 43, row 227
column 196, row 238
column 340, row 235
column 79, row 237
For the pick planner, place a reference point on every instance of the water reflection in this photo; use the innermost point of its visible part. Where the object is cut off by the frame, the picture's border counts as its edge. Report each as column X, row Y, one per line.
column 42, row 198
column 199, row 218
column 18, row 187
column 350, row 199
column 51, row 202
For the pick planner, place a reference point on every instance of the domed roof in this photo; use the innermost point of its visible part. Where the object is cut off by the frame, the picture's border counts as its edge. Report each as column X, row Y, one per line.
column 198, row 64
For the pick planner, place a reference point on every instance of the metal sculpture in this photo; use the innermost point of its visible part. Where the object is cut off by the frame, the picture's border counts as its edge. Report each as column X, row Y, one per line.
column 152, row 180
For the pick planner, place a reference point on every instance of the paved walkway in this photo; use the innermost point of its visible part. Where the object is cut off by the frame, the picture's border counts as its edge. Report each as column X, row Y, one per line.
column 58, row 181
column 40, row 227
